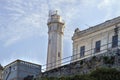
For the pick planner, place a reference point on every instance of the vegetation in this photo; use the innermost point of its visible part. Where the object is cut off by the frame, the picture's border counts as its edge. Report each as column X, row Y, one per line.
column 29, row 78
column 98, row 74
column 81, row 62
column 108, row 60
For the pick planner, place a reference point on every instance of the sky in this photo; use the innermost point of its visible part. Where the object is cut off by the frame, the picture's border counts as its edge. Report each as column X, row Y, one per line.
column 24, row 30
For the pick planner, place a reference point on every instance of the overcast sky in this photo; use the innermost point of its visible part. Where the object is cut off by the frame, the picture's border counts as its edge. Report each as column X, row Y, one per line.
column 23, row 25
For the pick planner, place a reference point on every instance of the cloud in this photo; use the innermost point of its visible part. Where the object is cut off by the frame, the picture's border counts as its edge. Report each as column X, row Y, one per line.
column 110, row 7
column 29, row 56
column 105, row 4
column 25, row 19
column 28, row 18
column 12, row 40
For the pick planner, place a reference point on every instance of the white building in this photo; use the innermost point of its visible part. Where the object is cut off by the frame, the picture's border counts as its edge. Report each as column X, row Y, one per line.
column 96, row 40
column 55, row 40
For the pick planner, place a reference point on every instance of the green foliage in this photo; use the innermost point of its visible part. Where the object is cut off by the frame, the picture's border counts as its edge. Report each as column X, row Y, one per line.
column 81, row 62
column 108, row 60
column 29, row 78
column 94, row 57
column 50, row 78
column 106, row 74
column 82, row 77
column 98, row 74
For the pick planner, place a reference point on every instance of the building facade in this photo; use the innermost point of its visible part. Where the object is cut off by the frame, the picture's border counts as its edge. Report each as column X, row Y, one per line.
column 93, row 48
column 55, row 40
column 1, row 70
column 96, row 40
column 19, row 69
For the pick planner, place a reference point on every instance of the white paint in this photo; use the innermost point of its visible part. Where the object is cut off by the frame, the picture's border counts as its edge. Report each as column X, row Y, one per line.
column 105, row 35
column 55, row 41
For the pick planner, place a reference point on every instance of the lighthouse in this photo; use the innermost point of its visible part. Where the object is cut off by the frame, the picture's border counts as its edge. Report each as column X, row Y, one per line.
column 55, row 40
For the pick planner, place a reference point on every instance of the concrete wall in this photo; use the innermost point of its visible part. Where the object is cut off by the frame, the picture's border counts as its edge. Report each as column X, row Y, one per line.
column 1, row 74
column 10, row 72
column 25, row 69
column 103, row 32
column 18, row 70
column 89, row 41
column 86, row 65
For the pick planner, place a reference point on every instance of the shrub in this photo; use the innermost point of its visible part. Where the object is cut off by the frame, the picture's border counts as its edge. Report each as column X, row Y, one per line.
column 106, row 74
column 98, row 74
column 81, row 62
column 109, row 60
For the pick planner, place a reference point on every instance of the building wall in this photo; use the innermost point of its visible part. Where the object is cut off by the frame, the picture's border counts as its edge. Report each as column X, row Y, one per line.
column 1, row 74
column 89, row 41
column 85, row 66
column 91, row 60
column 18, row 70
column 25, row 69
column 10, row 71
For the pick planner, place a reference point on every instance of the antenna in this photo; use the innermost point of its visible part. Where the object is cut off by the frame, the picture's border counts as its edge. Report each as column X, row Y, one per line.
column 87, row 25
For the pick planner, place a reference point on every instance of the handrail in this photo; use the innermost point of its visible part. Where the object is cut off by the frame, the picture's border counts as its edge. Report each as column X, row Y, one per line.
column 71, row 59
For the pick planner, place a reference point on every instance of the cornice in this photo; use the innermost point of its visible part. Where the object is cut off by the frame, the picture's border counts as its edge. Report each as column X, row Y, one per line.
column 96, row 28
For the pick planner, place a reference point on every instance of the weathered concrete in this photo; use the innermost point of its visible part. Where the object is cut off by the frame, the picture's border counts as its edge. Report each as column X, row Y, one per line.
column 81, row 64
column 108, row 59
column 19, row 69
column 1, row 69
column 88, row 38
column 55, row 40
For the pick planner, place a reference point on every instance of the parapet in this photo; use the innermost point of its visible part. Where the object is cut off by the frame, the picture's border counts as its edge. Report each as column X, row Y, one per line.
column 54, row 17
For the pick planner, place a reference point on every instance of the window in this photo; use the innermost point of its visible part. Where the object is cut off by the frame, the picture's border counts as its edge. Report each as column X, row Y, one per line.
column 82, row 51
column 115, row 41
column 97, row 46
column 58, row 54
column 14, row 68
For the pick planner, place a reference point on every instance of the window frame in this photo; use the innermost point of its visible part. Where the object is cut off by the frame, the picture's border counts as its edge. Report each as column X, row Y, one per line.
column 114, row 41
column 82, row 51
column 97, row 46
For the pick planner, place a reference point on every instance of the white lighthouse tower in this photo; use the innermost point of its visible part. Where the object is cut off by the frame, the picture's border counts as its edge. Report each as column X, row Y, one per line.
column 55, row 40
